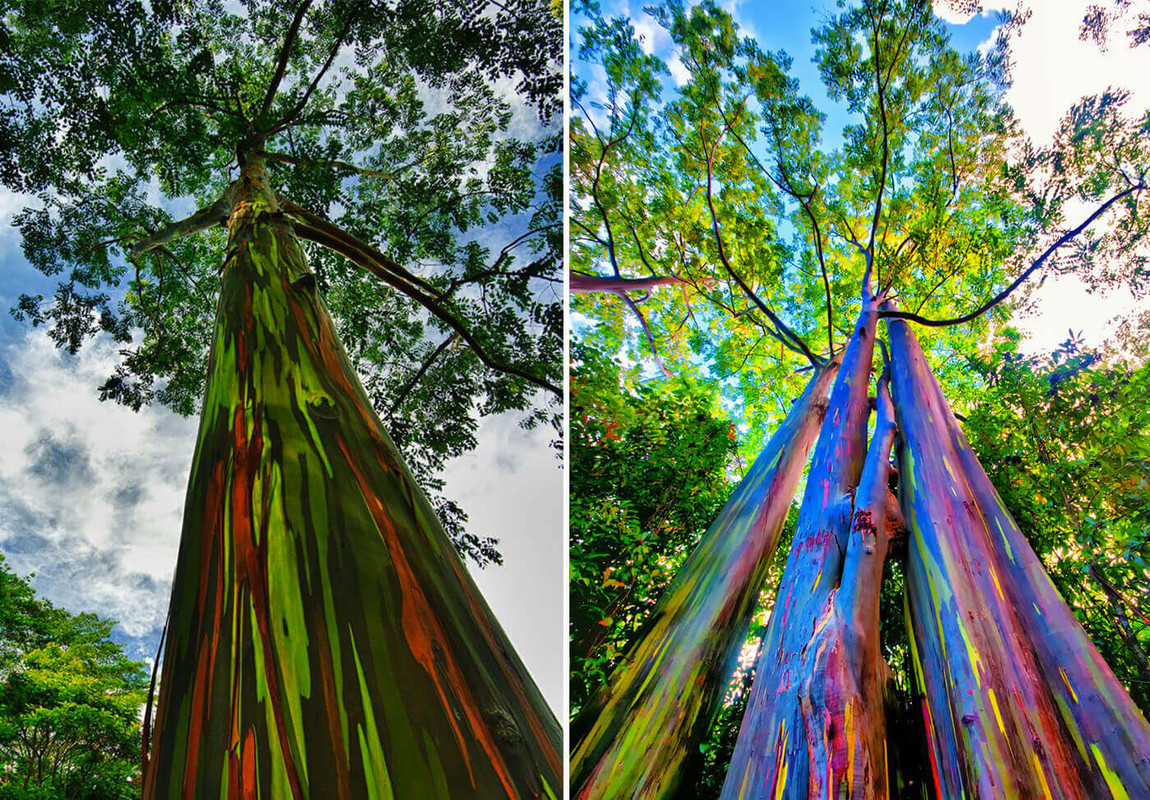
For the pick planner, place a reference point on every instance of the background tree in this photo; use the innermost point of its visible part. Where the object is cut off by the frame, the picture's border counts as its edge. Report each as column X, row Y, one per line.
column 649, row 467
column 322, row 639
column 704, row 162
column 70, row 702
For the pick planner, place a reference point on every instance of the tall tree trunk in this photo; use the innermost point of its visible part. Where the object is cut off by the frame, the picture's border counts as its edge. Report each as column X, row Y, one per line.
column 784, row 750
column 325, row 641
column 634, row 738
column 1018, row 702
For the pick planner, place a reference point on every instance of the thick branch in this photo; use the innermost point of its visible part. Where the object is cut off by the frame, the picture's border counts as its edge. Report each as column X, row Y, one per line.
column 215, row 214
column 1066, row 237
column 318, row 230
column 581, row 283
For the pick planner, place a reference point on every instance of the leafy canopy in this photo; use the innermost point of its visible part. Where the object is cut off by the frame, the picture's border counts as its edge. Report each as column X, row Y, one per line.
column 769, row 209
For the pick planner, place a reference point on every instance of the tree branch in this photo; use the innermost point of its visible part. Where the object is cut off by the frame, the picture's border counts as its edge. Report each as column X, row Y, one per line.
column 284, row 55
column 795, row 341
column 586, row 284
column 316, row 229
column 1066, row 237
column 336, row 45
column 215, row 214
column 431, row 359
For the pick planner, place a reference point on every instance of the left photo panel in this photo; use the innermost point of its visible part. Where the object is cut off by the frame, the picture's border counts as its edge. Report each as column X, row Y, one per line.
column 281, row 490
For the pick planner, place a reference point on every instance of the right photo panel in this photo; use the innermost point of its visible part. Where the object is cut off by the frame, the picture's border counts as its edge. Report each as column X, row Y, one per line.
column 859, row 450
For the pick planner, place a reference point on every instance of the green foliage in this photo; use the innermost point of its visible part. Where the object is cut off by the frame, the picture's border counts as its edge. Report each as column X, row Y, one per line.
column 409, row 125
column 648, row 474
column 70, row 701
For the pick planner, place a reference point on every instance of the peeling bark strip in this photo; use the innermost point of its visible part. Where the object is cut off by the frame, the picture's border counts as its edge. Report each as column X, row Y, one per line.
column 325, row 639
column 1018, row 702
column 659, row 702
column 783, row 751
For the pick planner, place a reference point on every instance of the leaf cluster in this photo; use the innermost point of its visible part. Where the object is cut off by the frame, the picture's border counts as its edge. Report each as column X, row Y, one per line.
column 649, row 469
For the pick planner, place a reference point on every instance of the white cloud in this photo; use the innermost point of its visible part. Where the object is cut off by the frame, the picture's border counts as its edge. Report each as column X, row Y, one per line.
column 1053, row 68
column 92, row 497
column 91, row 493
column 512, row 488
column 955, row 14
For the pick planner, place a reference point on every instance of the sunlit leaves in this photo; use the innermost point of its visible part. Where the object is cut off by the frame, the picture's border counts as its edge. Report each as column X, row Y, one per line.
column 69, row 701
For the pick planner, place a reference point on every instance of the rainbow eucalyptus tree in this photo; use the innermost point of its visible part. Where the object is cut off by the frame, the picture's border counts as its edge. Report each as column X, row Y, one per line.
column 697, row 158
column 673, row 677
column 324, row 638
column 1018, row 700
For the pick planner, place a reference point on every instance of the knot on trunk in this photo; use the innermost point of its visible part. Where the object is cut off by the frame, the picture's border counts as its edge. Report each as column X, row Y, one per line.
column 503, row 726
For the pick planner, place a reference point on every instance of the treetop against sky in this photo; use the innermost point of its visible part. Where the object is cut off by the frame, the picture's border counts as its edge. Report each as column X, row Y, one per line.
column 797, row 154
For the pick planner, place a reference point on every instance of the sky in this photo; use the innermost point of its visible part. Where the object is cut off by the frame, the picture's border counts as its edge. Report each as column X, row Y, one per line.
column 92, row 493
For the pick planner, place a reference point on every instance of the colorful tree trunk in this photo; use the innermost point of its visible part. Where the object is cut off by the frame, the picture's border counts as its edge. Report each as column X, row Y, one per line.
column 843, row 695
column 634, row 738
column 325, row 641
column 783, row 749
column 1017, row 700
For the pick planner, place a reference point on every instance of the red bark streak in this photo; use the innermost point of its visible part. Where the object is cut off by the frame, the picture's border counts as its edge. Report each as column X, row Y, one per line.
column 251, row 569
column 422, row 632
column 331, row 703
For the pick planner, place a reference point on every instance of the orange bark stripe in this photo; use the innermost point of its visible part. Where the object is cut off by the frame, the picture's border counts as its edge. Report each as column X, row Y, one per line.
column 421, row 629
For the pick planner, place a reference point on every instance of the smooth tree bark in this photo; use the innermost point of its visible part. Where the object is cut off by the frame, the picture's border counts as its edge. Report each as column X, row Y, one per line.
column 634, row 739
column 586, row 284
column 843, row 696
column 325, row 640
column 1017, row 700
column 783, row 749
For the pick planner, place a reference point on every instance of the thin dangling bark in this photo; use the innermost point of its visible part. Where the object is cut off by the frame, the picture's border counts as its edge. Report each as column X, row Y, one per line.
column 781, row 749
column 634, row 738
column 325, row 640
column 1017, row 700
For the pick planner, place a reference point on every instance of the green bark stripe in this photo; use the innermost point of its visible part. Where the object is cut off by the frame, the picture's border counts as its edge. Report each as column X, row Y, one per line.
column 326, row 641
